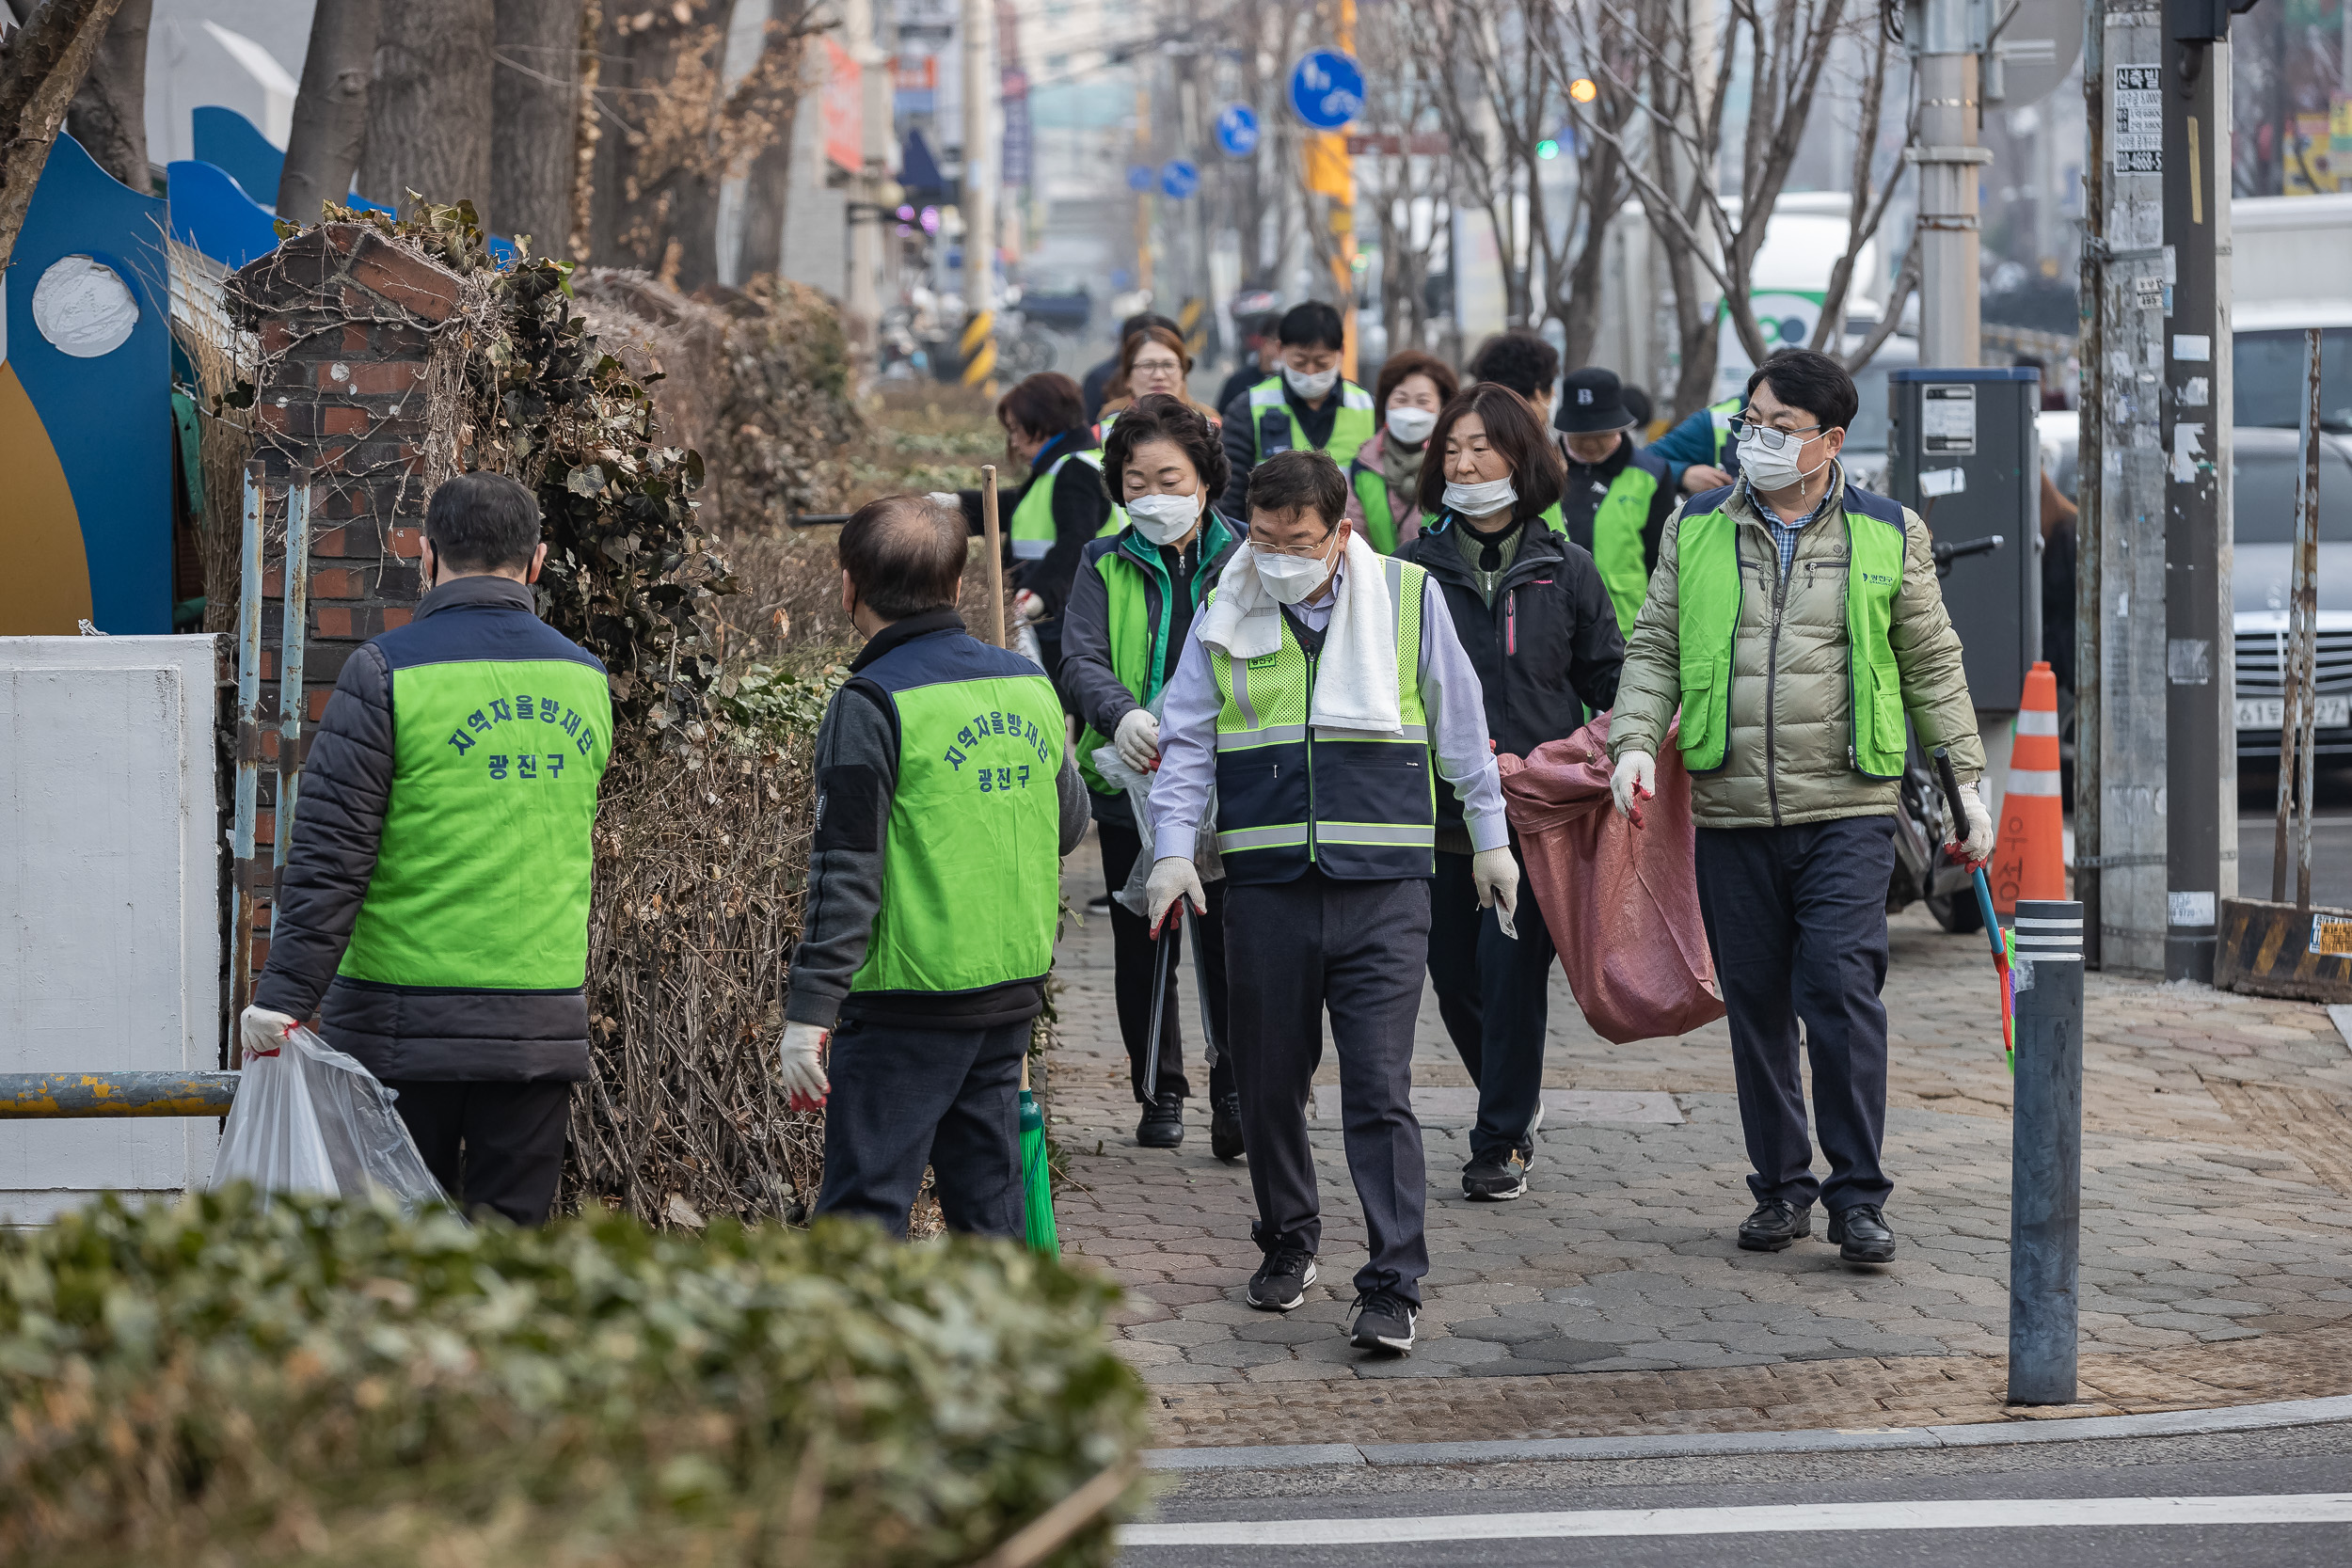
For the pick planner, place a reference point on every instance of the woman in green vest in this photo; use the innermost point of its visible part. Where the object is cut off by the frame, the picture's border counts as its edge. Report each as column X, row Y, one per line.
column 1133, row 599
column 1384, row 479
column 1050, row 519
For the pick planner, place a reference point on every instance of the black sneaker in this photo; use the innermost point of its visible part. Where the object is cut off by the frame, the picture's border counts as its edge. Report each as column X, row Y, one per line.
column 1163, row 1123
column 1495, row 1180
column 1280, row 1282
column 1777, row 1225
column 1225, row 1140
column 1383, row 1323
column 1861, row 1235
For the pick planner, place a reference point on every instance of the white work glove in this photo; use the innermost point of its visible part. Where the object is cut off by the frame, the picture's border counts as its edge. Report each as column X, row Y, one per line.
column 1172, row 877
column 1977, row 848
column 1496, row 876
column 805, row 1085
column 1635, row 781
column 948, row 499
column 1027, row 606
column 264, row 1032
column 1139, row 740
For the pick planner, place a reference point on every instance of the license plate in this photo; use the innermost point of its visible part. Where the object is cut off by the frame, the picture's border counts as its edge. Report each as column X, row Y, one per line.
column 2268, row 713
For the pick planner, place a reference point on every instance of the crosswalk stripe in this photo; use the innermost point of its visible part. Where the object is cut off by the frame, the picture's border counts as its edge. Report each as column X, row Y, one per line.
column 1958, row 1514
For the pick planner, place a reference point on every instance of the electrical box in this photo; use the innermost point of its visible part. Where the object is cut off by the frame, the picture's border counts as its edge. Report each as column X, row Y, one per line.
column 1963, row 454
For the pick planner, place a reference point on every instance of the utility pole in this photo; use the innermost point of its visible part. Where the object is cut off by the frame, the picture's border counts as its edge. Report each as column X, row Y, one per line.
column 1951, row 35
column 979, row 171
column 2201, row 752
column 1143, row 197
column 2121, row 851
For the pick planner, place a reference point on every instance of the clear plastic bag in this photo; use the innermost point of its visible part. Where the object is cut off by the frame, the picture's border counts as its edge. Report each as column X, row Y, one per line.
column 1138, row 786
column 310, row 1119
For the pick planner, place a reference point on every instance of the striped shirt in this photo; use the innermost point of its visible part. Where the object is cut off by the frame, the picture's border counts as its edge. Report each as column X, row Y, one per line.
column 1784, row 535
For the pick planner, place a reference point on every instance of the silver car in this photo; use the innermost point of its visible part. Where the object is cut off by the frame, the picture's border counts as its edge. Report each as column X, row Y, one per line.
column 2263, row 507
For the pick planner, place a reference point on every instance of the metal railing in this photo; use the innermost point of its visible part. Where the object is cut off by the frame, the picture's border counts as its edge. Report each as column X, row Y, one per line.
column 78, row 1095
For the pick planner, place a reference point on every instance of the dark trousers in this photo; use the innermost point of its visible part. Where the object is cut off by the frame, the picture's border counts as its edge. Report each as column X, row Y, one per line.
column 903, row 1099
column 1132, row 957
column 1356, row 948
column 1797, row 920
column 1491, row 995
column 491, row 1144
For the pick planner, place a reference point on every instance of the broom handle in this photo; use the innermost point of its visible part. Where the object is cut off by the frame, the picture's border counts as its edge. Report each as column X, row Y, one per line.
column 995, row 548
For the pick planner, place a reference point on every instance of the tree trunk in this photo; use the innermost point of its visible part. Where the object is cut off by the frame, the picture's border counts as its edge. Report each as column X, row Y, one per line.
column 109, row 115
column 330, row 113
column 534, row 119
column 1601, row 190
column 429, row 107
column 39, row 76
column 766, row 190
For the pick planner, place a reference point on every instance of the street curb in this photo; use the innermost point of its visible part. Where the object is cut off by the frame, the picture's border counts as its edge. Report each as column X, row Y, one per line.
column 2083, row 1429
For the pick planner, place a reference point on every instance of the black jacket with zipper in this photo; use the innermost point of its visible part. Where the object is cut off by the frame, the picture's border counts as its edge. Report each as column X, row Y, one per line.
column 1547, row 649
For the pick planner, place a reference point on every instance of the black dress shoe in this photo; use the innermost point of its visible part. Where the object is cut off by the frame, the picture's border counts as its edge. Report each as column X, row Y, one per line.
column 1225, row 1140
column 1861, row 1235
column 1775, row 1224
column 1163, row 1123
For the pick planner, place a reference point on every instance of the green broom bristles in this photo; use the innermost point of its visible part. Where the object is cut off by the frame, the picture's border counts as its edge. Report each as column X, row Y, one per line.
column 1036, row 1180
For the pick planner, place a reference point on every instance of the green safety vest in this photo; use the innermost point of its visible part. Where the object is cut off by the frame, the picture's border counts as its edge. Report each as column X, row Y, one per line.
column 1361, row 807
column 1137, row 638
column 1371, row 494
column 1707, row 578
column 1351, row 427
column 1721, row 415
column 1617, row 541
column 482, row 875
column 1033, row 533
column 972, row 852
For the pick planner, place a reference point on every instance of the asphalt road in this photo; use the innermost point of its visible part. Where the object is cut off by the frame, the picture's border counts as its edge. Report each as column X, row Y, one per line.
column 2266, row 1500
column 2331, row 837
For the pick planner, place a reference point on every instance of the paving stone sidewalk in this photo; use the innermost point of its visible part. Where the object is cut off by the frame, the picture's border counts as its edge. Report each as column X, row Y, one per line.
column 2217, row 1210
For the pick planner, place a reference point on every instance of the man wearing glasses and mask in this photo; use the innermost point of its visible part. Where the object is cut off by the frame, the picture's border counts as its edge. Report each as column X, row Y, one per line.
column 1796, row 620
column 1323, row 692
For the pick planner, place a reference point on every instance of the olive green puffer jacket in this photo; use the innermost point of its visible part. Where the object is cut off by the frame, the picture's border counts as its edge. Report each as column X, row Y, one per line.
column 1791, row 721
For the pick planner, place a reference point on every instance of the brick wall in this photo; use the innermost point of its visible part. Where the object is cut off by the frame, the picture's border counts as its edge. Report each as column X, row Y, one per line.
column 347, row 323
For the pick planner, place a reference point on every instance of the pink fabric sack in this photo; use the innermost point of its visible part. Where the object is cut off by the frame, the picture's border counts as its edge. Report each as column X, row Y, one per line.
column 1621, row 902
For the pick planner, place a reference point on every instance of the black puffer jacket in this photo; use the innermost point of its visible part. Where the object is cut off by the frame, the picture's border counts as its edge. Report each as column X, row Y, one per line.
column 1546, row 649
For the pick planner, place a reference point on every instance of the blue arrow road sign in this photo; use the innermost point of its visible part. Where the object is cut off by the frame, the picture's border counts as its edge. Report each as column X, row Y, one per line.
column 1327, row 89
column 1139, row 176
column 1238, row 129
column 1178, row 179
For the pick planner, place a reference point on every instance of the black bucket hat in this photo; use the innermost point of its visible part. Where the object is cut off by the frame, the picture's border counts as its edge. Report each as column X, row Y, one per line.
column 1592, row 402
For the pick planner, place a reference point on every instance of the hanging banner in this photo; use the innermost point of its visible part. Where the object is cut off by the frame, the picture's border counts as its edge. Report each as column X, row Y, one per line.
column 844, row 108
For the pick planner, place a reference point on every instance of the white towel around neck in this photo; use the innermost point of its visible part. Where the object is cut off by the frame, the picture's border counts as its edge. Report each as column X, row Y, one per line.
column 1356, row 676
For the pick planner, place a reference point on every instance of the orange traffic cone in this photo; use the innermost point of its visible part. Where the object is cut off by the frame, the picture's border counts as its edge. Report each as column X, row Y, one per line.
column 2030, row 855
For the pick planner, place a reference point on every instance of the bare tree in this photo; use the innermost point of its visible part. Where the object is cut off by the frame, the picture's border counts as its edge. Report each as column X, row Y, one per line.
column 1497, row 103
column 42, row 69
column 671, row 130
column 1787, row 45
column 109, row 115
column 429, row 107
column 330, row 112
column 1405, row 176
column 1870, row 196
column 1596, row 65
column 534, row 118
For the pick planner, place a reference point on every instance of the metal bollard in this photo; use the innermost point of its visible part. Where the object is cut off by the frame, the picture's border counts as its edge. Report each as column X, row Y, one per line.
column 2045, row 1171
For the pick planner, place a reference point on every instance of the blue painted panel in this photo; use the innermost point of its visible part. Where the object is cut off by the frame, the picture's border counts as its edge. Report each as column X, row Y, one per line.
column 226, row 139
column 108, row 418
column 213, row 213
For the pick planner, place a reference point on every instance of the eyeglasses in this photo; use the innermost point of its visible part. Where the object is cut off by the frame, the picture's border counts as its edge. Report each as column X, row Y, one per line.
column 1304, row 552
column 1158, row 366
column 1772, row 437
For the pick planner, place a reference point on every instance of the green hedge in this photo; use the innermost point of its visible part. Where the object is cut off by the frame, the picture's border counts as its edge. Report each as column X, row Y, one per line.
column 216, row 1382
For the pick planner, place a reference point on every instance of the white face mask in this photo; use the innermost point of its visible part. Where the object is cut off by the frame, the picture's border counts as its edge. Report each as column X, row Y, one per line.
column 1288, row 578
column 1411, row 425
column 1163, row 519
column 1482, row 499
column 1771, row 471
column 1312, row 387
